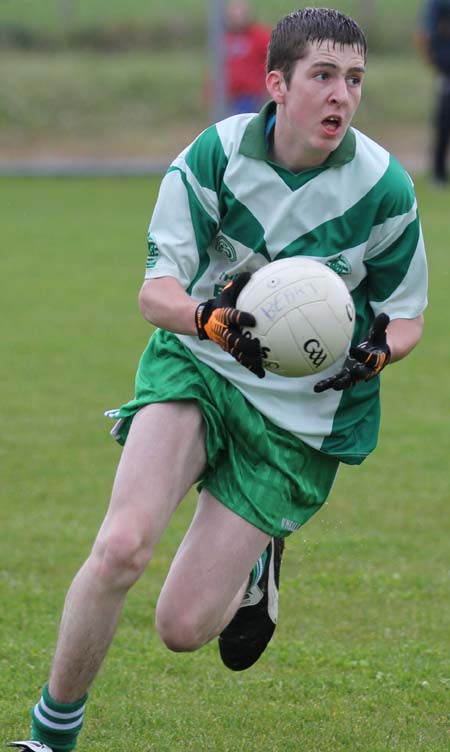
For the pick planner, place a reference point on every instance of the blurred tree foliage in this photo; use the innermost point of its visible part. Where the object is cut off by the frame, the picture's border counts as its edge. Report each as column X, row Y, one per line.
column 111, row 25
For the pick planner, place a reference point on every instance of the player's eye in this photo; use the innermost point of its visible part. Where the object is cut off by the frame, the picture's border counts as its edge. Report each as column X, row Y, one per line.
column 321, row 76
column 355, row 81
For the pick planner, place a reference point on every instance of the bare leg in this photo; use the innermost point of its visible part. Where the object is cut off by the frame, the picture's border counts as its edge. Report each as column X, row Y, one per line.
column 208, row 576
column 163, row 456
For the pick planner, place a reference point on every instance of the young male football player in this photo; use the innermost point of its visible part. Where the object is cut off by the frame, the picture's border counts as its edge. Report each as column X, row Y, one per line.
column 294, row 180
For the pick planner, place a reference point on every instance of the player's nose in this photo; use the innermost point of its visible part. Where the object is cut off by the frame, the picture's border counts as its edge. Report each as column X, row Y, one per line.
column 339, row 90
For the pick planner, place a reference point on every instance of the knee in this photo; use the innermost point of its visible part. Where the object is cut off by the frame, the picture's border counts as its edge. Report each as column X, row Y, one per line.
column 120, row 556
column 179, row 631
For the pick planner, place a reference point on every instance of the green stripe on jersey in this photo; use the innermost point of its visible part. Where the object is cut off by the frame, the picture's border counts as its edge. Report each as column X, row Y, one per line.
column 207, row 159
column 239, row 223
column 386, row 278
column 204, row 227
column 357, row 417
column 356, row 225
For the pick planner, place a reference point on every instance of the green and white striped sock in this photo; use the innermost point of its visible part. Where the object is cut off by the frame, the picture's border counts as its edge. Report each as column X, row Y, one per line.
column 57, row 724
column 258, row 570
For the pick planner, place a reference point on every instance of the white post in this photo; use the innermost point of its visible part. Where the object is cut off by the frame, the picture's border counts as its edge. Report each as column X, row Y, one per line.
column 216, row 47
column 69, row 12
column 367, row 14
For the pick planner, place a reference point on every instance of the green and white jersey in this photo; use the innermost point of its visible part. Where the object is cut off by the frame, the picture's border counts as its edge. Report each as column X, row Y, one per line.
column 225, row 208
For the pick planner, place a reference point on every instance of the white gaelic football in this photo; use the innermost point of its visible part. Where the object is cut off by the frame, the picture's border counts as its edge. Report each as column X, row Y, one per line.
column 304, row 315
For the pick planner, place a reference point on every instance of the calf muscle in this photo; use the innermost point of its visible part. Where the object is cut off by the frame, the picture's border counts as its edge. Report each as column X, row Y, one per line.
column 148, row 487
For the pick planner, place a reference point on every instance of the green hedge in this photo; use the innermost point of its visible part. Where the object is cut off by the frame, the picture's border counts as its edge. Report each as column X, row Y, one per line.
column 139, row 24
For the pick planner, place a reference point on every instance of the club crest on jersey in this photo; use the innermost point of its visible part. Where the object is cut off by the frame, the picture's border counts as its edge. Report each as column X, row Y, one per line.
column 152, row 253
column 224, row 246
column 340, row 265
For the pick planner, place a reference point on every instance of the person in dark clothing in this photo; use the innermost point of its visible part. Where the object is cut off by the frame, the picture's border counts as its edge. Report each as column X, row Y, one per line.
column 434, row 43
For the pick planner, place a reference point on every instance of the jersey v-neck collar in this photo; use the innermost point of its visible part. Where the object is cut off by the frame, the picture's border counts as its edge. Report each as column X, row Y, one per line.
column 255, row 144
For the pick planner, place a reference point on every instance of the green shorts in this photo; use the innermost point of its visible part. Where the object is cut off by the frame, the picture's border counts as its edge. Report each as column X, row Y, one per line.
column 263, row 473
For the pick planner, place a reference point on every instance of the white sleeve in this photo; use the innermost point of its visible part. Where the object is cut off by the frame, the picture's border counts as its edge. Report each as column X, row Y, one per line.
column 183, row 224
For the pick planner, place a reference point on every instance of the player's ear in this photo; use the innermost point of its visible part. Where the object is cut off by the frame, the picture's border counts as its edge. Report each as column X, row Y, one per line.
column 276, row 86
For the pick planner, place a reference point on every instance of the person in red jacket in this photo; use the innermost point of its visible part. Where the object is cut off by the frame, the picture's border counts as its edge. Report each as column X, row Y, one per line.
column 245, row 59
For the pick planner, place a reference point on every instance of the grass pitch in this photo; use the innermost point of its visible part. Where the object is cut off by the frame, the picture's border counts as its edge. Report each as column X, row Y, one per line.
column 360, row 660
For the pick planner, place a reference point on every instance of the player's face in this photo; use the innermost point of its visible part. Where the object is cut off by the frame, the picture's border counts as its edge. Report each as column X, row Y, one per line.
column 317, row 107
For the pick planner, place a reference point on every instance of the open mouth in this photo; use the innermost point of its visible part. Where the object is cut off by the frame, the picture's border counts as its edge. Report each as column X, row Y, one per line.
column 332, row 123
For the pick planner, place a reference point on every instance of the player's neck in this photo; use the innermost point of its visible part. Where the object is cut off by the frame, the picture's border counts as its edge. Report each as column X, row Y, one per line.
column 294, row 155
column 287, row 150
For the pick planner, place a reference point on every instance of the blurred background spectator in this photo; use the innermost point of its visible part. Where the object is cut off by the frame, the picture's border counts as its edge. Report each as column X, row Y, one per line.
column 245, row 58
column 434, row 43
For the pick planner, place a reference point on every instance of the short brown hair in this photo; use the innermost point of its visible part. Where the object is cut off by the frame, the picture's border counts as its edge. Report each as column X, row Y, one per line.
column 292, row 34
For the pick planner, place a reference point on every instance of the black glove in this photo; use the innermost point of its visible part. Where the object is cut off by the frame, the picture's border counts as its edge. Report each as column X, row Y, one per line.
column 219, row 320
column 365, row 361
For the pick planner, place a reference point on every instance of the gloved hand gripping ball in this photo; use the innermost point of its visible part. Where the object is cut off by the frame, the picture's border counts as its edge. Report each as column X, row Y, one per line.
column 365, row 361
column 219, row 320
